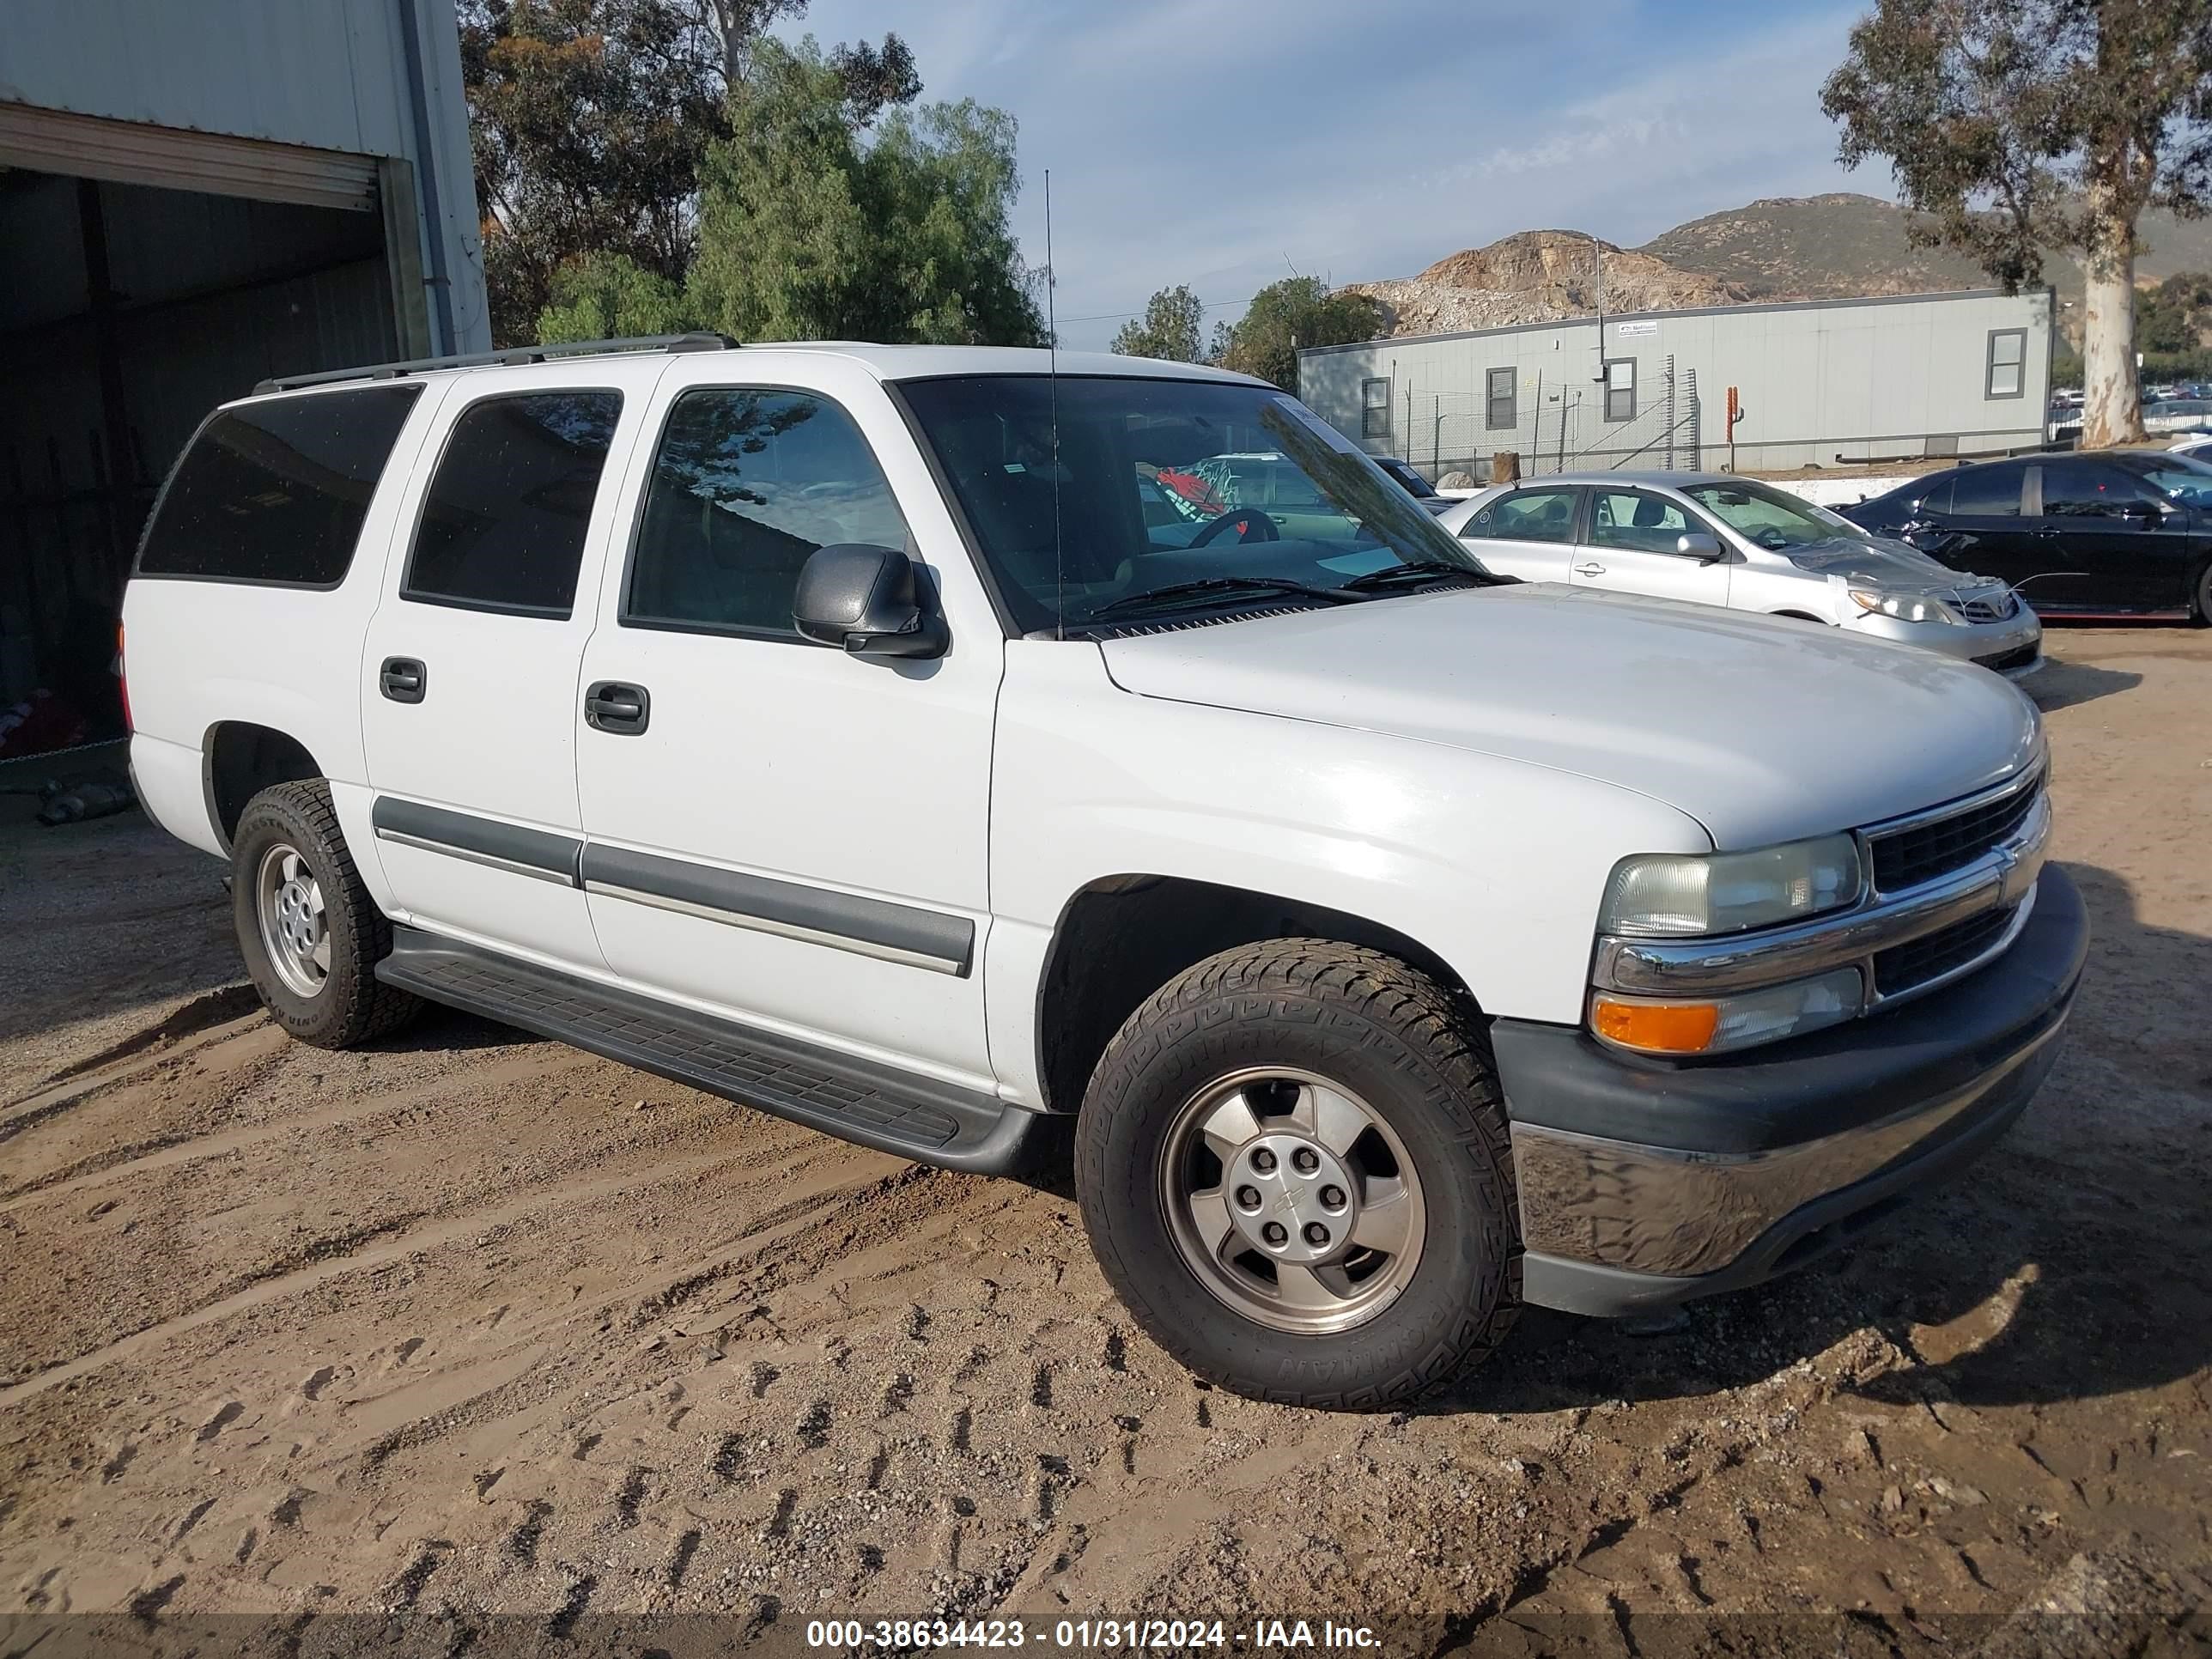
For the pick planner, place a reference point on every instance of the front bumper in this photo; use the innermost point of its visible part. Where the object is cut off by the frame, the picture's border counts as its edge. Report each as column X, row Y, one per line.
column 1645, row 1183
column 2013, row 648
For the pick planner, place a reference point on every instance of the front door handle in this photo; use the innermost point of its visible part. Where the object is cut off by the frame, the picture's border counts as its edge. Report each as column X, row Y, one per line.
column 1589, row 570
column 618, row 708
column 402, row 679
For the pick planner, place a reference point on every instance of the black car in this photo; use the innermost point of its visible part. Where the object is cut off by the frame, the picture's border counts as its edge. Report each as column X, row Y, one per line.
column 2122, row 532
column 1416, row 486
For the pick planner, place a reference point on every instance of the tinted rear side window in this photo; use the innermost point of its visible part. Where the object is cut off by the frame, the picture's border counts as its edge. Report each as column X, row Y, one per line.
column 1988, row 492
column 503, row 526
column 276, row 491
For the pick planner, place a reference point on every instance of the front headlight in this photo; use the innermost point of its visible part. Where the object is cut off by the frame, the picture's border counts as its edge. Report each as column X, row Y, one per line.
column 1666, row 894
column 1904, row 607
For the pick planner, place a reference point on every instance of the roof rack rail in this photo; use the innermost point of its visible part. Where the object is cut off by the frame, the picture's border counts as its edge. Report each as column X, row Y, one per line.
column 514, row 356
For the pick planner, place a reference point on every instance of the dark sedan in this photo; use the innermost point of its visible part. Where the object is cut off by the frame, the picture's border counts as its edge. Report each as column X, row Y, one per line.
column 2120, row 532
column 1416, row 486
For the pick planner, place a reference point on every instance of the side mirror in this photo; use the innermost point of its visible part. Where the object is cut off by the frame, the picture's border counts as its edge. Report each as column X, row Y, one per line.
column 864, row 600
column 1702, row 546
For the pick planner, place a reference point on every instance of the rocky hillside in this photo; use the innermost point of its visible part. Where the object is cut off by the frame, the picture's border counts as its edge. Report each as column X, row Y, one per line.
column 1839, row 245
column 1814, row 247
column 1539, row 276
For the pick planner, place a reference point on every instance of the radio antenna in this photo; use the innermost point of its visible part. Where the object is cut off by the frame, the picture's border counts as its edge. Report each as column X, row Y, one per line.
column 1051, row 382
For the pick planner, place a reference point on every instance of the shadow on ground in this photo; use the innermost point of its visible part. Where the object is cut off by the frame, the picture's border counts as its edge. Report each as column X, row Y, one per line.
column 2060, row 684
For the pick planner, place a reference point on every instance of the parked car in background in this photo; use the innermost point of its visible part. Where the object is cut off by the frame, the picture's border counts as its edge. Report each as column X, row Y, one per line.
column 2114, row 532
column 1718, row 539
column 2195, row 444
column 1416, row 486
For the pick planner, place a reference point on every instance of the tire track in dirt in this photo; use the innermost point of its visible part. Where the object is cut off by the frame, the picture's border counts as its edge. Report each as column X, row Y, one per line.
column 74, row 1085
column 170, row 1152
column 224, row 1005
column 322, row 1272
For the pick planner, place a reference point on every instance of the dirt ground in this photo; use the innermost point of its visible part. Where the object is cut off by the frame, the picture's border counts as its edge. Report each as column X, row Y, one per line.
column 469, row 1325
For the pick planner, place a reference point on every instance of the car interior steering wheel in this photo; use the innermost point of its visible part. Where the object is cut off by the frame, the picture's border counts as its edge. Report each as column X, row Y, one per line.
column 1250, row 517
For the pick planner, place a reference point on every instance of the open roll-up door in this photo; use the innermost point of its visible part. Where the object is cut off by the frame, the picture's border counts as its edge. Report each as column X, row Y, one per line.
column 175, row 158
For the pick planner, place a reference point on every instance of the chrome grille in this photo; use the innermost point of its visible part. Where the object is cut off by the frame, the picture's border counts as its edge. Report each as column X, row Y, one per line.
column 1920, row 852
column 1991, row 611
column 1903, row 968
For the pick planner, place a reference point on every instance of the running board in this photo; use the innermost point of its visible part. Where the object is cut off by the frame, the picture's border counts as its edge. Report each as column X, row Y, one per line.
column 873, row 1105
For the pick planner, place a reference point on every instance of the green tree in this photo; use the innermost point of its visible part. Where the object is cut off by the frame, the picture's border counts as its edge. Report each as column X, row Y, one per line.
column 813, row 228
column 2018, row 126
column 589, row 120
column 603, row 296
column 1168, row 328
column 2174, row 317
column 1298, row 311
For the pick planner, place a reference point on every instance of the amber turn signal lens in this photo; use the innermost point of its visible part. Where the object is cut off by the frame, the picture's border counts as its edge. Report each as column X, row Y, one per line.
column 1657, row 1028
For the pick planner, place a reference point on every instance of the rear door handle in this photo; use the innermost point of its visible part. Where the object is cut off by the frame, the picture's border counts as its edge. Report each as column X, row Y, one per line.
column 402, row 679
column 618, row 708
column 1589, row 570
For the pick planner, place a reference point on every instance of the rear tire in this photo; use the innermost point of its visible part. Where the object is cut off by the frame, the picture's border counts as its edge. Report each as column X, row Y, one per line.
column 1361, row 1071
column 309, row 932
column 2201, row 607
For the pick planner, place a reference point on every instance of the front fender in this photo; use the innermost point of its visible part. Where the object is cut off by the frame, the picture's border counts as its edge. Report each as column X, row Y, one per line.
column 1496, row 865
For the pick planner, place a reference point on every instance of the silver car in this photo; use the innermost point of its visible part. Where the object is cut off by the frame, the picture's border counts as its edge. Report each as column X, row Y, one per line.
column 1714, row 538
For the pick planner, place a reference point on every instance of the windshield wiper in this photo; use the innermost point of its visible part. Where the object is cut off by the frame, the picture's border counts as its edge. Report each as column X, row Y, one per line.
column 1205, row 586
column 1418, row 570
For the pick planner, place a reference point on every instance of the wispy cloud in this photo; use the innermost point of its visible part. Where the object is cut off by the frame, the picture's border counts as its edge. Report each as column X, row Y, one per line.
column 1219, row 142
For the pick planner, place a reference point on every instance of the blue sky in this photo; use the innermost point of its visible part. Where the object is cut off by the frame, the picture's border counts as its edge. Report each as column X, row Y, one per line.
column 1222, row 143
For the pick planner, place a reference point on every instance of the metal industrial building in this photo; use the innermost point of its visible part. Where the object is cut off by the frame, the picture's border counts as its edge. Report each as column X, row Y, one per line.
column 1816, row 383
column 192, row 196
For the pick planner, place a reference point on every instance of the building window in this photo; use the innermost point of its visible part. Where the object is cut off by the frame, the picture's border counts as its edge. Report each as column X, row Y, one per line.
column 2007, row 372
column 1497, row 400
column 1620, row 388
column 1375, row 409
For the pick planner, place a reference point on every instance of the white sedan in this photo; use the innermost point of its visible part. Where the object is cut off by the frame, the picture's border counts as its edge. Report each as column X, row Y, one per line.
column 1717, row 539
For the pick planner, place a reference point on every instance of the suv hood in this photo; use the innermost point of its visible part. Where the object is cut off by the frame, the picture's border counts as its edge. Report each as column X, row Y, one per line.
column 1762, row 729
column 1892, row 567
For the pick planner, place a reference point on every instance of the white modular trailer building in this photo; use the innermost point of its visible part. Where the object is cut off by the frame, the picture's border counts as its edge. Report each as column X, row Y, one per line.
column 194, row 197
column 1818, row 382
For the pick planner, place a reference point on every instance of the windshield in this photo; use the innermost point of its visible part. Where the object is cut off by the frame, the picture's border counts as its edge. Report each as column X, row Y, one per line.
column 1773, row 518
column 1164, row 483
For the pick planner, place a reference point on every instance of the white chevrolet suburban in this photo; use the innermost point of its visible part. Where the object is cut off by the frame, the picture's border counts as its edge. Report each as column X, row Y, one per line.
column 928, row 745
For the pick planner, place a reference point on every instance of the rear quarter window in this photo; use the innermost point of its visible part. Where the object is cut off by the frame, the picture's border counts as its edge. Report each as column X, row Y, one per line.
column 275, row 491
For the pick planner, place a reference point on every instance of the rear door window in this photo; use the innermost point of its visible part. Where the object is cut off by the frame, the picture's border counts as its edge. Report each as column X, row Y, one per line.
column 275, row 491
column 1988, row 492
column 502, row 524
column 1526, row 515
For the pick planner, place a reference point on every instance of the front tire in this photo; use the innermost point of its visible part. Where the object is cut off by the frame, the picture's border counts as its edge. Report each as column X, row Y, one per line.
column 2201, row 605
column 1294, row 1165
column 309, row 932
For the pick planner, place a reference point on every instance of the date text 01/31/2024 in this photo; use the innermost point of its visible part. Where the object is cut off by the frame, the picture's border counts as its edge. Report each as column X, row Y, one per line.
column 1109, row 1634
